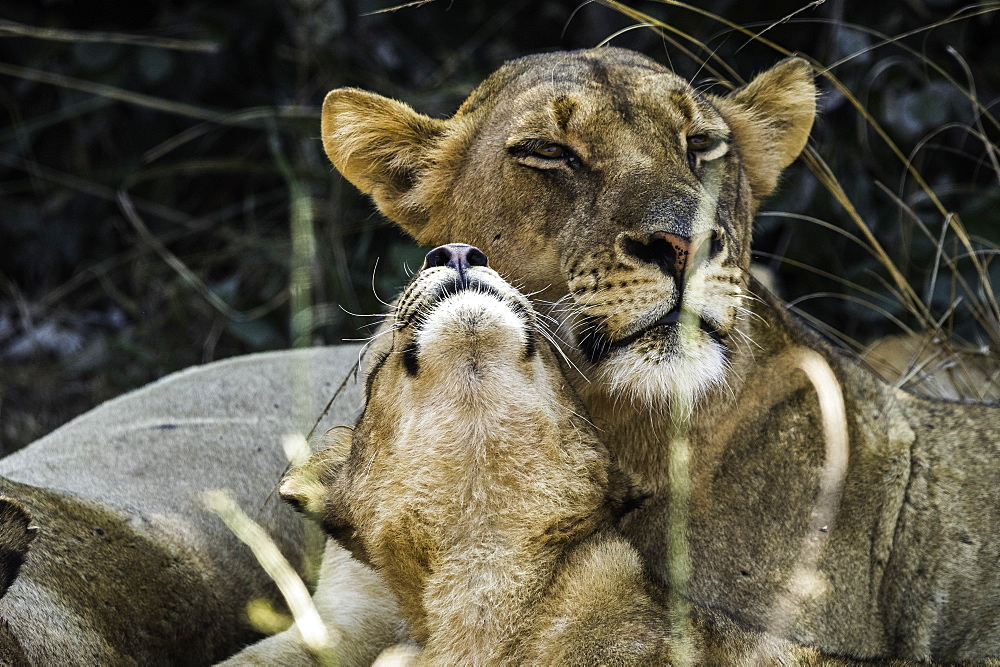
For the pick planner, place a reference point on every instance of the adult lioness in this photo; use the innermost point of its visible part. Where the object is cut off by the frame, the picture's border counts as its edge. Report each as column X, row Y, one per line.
column 610, row 184
column 107, row 554
column 476, row 485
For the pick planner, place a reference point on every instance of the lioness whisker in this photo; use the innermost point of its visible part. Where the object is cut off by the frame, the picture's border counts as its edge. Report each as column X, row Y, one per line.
column 561, row 299
column 548, row 317
column 573, row 307
column 374, row 291
column 746, row 337
column 576, row 414
column 531, row 295
column 749, row 313
column 549, row 336
column 371, row 339
column 376, row 325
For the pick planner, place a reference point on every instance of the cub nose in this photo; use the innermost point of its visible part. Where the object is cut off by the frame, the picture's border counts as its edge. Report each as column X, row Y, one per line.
column 459, row 256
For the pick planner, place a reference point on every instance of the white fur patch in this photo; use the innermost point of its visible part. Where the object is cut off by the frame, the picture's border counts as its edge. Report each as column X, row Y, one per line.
column 470, row 323
column 678, row 377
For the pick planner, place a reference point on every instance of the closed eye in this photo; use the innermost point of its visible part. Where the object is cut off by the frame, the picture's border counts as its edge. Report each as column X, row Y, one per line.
column 706, row 148
column 543, row 154
column 370, row 379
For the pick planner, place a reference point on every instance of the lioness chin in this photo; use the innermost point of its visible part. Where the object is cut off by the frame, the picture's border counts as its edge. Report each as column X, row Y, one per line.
column 615, row 189
column 475, row 485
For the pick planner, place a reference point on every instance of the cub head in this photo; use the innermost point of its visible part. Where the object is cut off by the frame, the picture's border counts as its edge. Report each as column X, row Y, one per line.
column 471, row 443
column 602, row 181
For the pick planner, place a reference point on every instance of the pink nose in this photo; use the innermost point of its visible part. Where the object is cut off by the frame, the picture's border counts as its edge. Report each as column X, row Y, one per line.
column 682, row 250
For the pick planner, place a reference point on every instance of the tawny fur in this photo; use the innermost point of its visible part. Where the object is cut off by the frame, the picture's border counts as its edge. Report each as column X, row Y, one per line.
column 109, row 556
column 476, row 486
column 907, row 568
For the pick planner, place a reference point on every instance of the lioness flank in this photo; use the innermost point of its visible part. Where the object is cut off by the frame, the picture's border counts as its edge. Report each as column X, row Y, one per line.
column 107, row 554
column 475, row 485
column 614, row 188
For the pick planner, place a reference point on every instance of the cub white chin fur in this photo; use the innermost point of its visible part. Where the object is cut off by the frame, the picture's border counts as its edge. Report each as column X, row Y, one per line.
column 473, row 320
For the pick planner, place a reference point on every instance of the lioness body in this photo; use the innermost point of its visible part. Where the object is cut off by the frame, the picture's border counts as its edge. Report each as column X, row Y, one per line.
column 127, row 566
column 607, row 183
column 909, row 565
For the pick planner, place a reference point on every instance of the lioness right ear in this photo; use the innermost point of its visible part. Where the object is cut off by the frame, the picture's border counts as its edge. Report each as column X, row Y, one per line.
column 771, row 118
column 381, row 146
column 16, row 535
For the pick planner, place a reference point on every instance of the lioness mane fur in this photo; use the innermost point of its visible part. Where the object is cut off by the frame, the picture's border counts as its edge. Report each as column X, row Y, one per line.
column 611, row 187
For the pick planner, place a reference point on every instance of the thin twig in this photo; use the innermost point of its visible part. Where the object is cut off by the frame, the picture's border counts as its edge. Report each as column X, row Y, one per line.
column 14, row 29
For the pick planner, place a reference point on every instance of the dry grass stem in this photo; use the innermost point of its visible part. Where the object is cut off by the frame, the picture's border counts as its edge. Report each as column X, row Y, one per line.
column 307, row 619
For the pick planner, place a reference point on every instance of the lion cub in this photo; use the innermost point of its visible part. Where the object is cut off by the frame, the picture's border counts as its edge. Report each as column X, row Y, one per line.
column 476, row 486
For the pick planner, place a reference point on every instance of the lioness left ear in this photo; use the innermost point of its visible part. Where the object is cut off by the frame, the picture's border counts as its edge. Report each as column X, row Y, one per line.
column 771, row 118
column 381, row 146
column 304, row 485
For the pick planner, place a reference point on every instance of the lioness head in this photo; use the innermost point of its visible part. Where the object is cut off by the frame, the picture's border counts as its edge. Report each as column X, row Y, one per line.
column 602, row 176
column 471, row 451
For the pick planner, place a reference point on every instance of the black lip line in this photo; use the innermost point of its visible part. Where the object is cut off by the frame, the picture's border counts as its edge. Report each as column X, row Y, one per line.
column 465, row 283
column 456, row 285
column 598, row 346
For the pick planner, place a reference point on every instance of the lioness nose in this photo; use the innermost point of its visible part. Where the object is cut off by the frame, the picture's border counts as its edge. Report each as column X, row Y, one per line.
column 681, row 247
column 671, row 252
column 459, row 256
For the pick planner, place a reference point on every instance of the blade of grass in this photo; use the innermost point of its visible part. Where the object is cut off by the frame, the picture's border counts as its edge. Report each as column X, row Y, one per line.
column 314, row 632
column 127, row 207
column 45, row 121
column 852, row 299
column 642, row 17
column 825, row 274
column 987, row 309
column 149, row 101
column 13, row 29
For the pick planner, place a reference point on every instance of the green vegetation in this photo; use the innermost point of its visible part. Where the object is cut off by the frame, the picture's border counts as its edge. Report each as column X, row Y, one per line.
column 162, row 184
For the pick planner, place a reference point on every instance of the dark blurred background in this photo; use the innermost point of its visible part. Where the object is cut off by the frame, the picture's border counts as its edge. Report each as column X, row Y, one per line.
column 162, row 183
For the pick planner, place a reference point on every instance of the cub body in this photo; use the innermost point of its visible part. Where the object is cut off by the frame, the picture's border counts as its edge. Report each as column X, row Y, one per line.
column 476, row 486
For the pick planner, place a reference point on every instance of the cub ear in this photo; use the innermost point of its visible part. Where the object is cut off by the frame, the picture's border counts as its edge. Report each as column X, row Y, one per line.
column 306, row 486
column 16, row 535
column 381, row 146
column 771, row 118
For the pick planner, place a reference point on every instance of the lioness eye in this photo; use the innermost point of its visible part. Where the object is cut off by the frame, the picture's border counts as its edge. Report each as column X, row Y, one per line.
column 702, row 148
column 699, row 142
column 550, row 151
